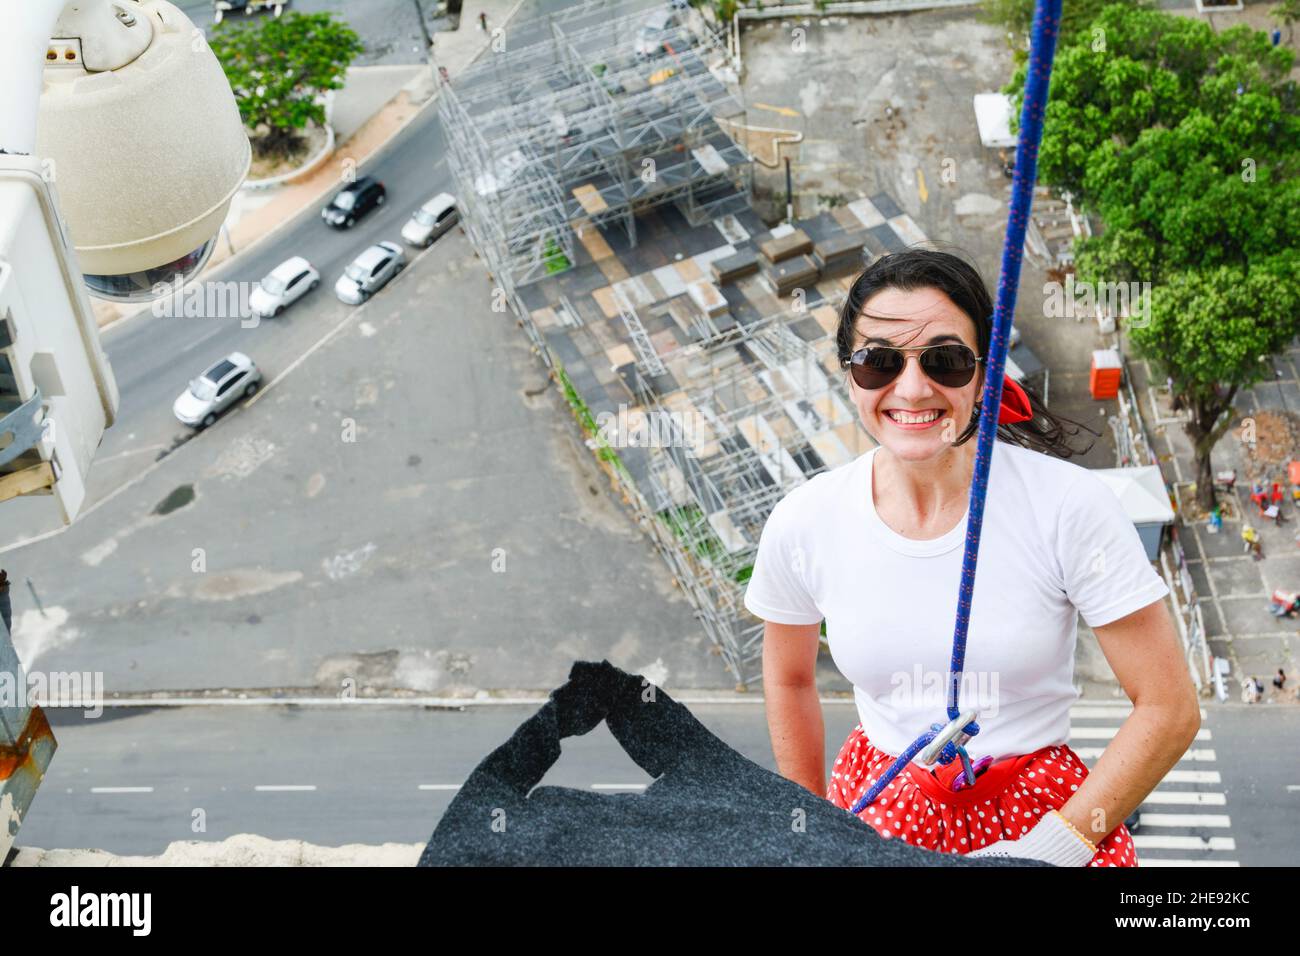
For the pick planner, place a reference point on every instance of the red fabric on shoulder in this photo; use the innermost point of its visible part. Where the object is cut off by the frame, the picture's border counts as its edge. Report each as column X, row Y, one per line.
column 1015, row 404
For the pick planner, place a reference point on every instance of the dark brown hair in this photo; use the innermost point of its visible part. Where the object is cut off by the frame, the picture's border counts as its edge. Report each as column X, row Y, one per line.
column 917, row 268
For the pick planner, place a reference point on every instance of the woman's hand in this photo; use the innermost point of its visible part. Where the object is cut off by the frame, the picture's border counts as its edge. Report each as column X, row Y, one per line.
column 1052, row 839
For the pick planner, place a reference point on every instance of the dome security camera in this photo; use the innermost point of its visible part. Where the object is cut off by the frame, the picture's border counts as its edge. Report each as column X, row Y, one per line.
column 146, row 140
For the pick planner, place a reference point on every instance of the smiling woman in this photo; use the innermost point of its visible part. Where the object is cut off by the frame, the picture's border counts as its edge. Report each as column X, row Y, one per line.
column 870, row 548
column 944, row 295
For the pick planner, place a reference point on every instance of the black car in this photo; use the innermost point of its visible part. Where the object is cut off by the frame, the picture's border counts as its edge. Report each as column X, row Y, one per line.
column 354, row 201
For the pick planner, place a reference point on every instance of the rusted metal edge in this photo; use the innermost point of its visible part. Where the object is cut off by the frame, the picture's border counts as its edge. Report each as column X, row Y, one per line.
column 22, row 768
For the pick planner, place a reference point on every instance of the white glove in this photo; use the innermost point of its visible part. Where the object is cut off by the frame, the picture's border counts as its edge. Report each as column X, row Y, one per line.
column 1052, row 839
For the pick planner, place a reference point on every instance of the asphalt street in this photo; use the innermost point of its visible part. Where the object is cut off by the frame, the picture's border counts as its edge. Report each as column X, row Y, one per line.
column 132, row 781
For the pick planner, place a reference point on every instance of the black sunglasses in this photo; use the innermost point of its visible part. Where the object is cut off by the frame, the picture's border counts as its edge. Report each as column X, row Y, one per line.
column 951, row 365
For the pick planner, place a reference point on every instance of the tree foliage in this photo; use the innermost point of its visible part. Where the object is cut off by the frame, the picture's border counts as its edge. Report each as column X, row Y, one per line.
column 1017, row 16
column 279, row 67
column 1186, row 145
column 1287, row 12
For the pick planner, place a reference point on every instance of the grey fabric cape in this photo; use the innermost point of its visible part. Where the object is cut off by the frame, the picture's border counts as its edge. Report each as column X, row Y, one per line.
column 708, row 806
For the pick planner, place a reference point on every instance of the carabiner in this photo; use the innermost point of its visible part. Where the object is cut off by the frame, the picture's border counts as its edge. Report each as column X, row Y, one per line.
column 953, row 733
column 960, row 782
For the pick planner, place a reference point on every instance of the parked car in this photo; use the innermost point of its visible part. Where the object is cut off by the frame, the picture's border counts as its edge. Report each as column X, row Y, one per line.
column 655, row 30
column 369, row 272
column 501, row 174
column 218, row 388
column 287, row 283
column 431, row 220
column 221, row 7
column 353, row 201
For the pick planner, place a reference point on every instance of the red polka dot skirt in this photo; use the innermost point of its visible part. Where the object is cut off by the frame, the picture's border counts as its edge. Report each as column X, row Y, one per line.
column 1005, row 803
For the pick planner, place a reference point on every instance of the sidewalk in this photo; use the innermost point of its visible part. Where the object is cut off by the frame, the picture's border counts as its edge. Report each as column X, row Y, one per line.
column 365, row 121
column 1231, row 588
column 244, row 849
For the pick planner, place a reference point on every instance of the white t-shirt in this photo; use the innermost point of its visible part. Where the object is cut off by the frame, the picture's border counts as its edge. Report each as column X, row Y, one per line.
column 1055, row 543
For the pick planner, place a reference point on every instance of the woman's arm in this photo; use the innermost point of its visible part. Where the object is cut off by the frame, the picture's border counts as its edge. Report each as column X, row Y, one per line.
column 794, row 713
column 1144, row 652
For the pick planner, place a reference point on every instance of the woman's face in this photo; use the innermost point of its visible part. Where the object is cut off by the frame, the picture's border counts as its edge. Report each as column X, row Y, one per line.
column 901, row 319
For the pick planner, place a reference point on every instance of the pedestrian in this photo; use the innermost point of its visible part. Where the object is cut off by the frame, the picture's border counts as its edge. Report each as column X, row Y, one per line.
column 1280, row 680
column 1258, row 496
column 1251, row 690
column 482, row 20
column 1251, row 537
column 1030, row 801
column 1216, row 521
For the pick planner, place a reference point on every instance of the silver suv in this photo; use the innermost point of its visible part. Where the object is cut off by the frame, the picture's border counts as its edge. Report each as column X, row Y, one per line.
column 369, row 271
column 234, row 377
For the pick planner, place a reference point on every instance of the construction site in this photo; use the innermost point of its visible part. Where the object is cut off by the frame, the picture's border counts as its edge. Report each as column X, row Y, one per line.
column 694, row 344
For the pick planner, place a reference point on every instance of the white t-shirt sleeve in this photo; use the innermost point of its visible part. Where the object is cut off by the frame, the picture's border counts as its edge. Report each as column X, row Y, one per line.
column 776, row 590
column 1106, row 571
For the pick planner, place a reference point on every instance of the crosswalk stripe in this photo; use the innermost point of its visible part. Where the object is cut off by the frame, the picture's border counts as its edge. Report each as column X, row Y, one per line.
column 1146, row 861
column 1192, row 776
column 1096, row 711
column 1203, row 754
column 1145, row 842
column 1105, row 733
column 1103, row 715
column 1187, row 797
column 1219, row 820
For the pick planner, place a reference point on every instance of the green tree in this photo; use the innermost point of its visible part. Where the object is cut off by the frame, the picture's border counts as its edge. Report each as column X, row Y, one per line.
column 1017, row 16
column 1186, row 144
column 279, row 67
column 1210, row 331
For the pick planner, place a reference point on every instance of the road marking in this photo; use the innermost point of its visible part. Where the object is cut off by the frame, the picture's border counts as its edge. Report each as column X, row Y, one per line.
column 1187, row 798
column 1182, row 843
column 449, row 703
column 1106, row 711
column 1219, row 820
column 282, row 787
column 133, row 451
column 121, row 789
column 1097, row 733
column 1192, row 776
column 439, row 786
column 920, row 185
column 1147, row 862
column 334, row 331
column 618, row 786
column 1292, row 787
column 217, row 330
column 1203, row 754
column 783, row 110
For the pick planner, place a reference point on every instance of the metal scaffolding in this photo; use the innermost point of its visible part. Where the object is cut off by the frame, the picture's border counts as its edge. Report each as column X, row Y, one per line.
column 759, row 412
column 591, row 118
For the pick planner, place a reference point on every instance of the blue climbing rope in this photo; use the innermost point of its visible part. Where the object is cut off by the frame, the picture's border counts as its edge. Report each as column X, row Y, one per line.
column 1047, row 19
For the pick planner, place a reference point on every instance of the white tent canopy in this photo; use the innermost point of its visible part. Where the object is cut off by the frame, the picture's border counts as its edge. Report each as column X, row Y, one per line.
column 1141, row 491
column 993, row 115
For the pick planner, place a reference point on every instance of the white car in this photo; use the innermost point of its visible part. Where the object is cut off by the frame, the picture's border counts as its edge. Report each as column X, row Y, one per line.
column 369, row 271
column 287, row 283
column 217, row 389
column 431, row 220
column 502, row 174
